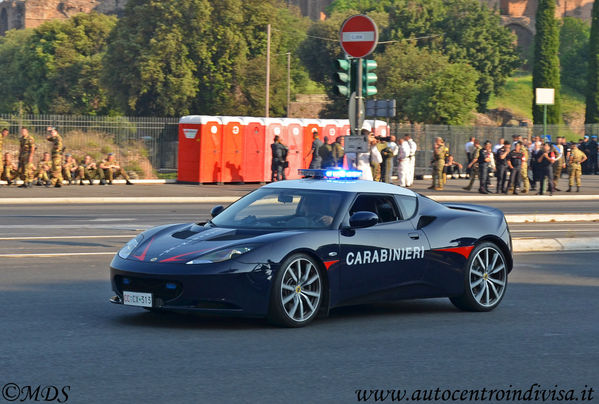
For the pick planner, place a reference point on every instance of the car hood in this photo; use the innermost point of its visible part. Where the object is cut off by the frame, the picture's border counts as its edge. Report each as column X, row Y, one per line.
column 182, row 243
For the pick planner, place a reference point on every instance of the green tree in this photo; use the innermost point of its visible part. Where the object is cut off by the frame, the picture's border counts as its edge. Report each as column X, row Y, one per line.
column 592, row 95
column 546, row 72
column 173, row 57
column 465, row 30
column 574, row 53
column 55, row 68
column 427, row 86
column 149, row 67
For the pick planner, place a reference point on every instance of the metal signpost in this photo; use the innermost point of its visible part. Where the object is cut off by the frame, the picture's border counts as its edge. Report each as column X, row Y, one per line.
column 358, row 37
column 544, row 97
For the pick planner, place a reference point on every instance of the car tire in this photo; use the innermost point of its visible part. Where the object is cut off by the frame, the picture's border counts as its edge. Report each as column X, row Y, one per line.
column 485, row 279
column 297, row 292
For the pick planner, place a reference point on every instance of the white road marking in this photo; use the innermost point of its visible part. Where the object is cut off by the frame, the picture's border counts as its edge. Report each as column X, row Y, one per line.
column 46, row 255
column 113, row 219
column 64, row 237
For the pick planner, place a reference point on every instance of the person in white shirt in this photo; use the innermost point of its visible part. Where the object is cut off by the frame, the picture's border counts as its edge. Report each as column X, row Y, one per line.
column 469, row 147
column 411, row 158
column 404, row 166
column 498, row 145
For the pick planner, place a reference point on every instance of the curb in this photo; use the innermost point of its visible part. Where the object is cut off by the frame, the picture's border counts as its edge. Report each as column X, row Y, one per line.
column 554, row 244
column 549, row 218
column 119, row 200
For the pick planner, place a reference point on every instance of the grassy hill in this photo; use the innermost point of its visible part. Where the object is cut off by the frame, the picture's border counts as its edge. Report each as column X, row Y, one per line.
column 516, row 96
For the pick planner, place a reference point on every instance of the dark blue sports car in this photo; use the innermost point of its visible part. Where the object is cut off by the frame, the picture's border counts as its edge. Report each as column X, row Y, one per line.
column 293, row 249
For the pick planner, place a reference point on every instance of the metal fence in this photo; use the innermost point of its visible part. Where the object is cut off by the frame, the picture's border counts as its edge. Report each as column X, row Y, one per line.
column 456, row 137
column 143, row 145
column 148, row 146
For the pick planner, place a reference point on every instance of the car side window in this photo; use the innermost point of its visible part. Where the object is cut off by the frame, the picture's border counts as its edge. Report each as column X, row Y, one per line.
column 383, row 205
column 407, row 205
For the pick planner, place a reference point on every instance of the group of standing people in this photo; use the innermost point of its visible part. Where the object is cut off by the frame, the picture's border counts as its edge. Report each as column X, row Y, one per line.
column 386, row 156
column 54, row 167
column 524, row 165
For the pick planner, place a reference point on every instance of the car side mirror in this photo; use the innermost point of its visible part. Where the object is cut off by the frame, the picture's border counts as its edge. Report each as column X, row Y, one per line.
column 362, row 219
column 216, row 210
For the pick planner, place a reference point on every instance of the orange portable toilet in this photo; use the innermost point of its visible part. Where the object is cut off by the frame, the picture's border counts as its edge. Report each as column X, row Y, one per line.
column 310, row 126
column 345, row 127
column 232, row 149
column 330, row 129
column 254, row 140
column 199, row 149
column 294, row 138
column 273, row 127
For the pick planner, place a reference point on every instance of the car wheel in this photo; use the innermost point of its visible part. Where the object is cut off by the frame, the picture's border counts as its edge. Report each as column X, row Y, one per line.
column 485, row 278
column 297, row 292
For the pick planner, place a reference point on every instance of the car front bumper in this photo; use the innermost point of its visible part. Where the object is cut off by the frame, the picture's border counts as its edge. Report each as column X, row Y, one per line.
column 221, row 288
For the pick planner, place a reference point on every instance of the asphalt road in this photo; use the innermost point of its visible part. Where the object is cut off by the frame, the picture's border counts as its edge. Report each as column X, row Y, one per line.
column 72, row 229
column 58, row 329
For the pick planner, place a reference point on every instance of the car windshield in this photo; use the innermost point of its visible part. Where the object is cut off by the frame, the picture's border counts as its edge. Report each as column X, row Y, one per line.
column 282, row 209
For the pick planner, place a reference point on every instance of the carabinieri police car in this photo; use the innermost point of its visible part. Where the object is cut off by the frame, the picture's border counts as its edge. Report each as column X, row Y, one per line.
column 293, row 249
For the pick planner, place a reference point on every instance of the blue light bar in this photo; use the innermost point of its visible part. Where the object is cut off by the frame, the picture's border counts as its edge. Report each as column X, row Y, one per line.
column 171, row 286
column 331, row 174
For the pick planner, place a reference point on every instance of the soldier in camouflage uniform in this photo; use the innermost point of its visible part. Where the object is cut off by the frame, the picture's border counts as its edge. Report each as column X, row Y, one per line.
column 89, row 171
column 3, row 134
column 112, row 169
column 57, row 150
column 42, row 175
column 10, row 171
column 26, row 150
column 70, row 169
column 575, row 167
column 473, row 165
column 338, row 152
column 440, row 153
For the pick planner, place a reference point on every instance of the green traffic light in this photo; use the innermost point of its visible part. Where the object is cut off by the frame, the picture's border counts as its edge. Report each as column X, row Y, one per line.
column 369, row 78
column 343, row 78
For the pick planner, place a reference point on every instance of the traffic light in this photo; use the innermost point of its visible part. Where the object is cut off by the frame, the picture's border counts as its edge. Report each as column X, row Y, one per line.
column 368, row 78
column 343, row 78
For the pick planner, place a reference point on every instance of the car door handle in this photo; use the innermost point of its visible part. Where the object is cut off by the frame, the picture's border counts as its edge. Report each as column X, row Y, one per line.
column 414, row 236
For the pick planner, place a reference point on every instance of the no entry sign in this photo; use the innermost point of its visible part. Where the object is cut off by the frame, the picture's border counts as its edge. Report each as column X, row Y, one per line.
column 359, row 36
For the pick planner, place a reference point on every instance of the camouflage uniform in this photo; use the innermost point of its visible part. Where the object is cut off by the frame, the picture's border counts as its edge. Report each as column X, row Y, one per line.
column 70, row 170
column 43, row 172
column 88, row 172
column 474, row 167
column 26, row 168
column 440, row 155
column 57, row 150
column 524, row 170
column 575, row 168
column 9, row 172
column 111, row 172
column 338, row 153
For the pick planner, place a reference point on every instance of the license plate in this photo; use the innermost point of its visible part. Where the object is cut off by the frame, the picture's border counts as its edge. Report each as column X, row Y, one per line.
column 137, row 299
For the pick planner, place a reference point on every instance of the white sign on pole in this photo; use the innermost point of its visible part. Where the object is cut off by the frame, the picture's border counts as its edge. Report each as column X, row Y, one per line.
column 356, row 144
column 545, row 96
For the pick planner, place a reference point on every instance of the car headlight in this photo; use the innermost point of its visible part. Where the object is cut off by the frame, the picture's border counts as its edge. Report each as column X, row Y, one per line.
column 130, row 247
column 221, row 255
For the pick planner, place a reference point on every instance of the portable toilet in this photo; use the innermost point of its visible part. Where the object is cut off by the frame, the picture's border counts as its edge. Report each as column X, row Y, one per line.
column 232, row 149
column 254, row 141
column 294, row 140
column 273, row 127
column 199, row 149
